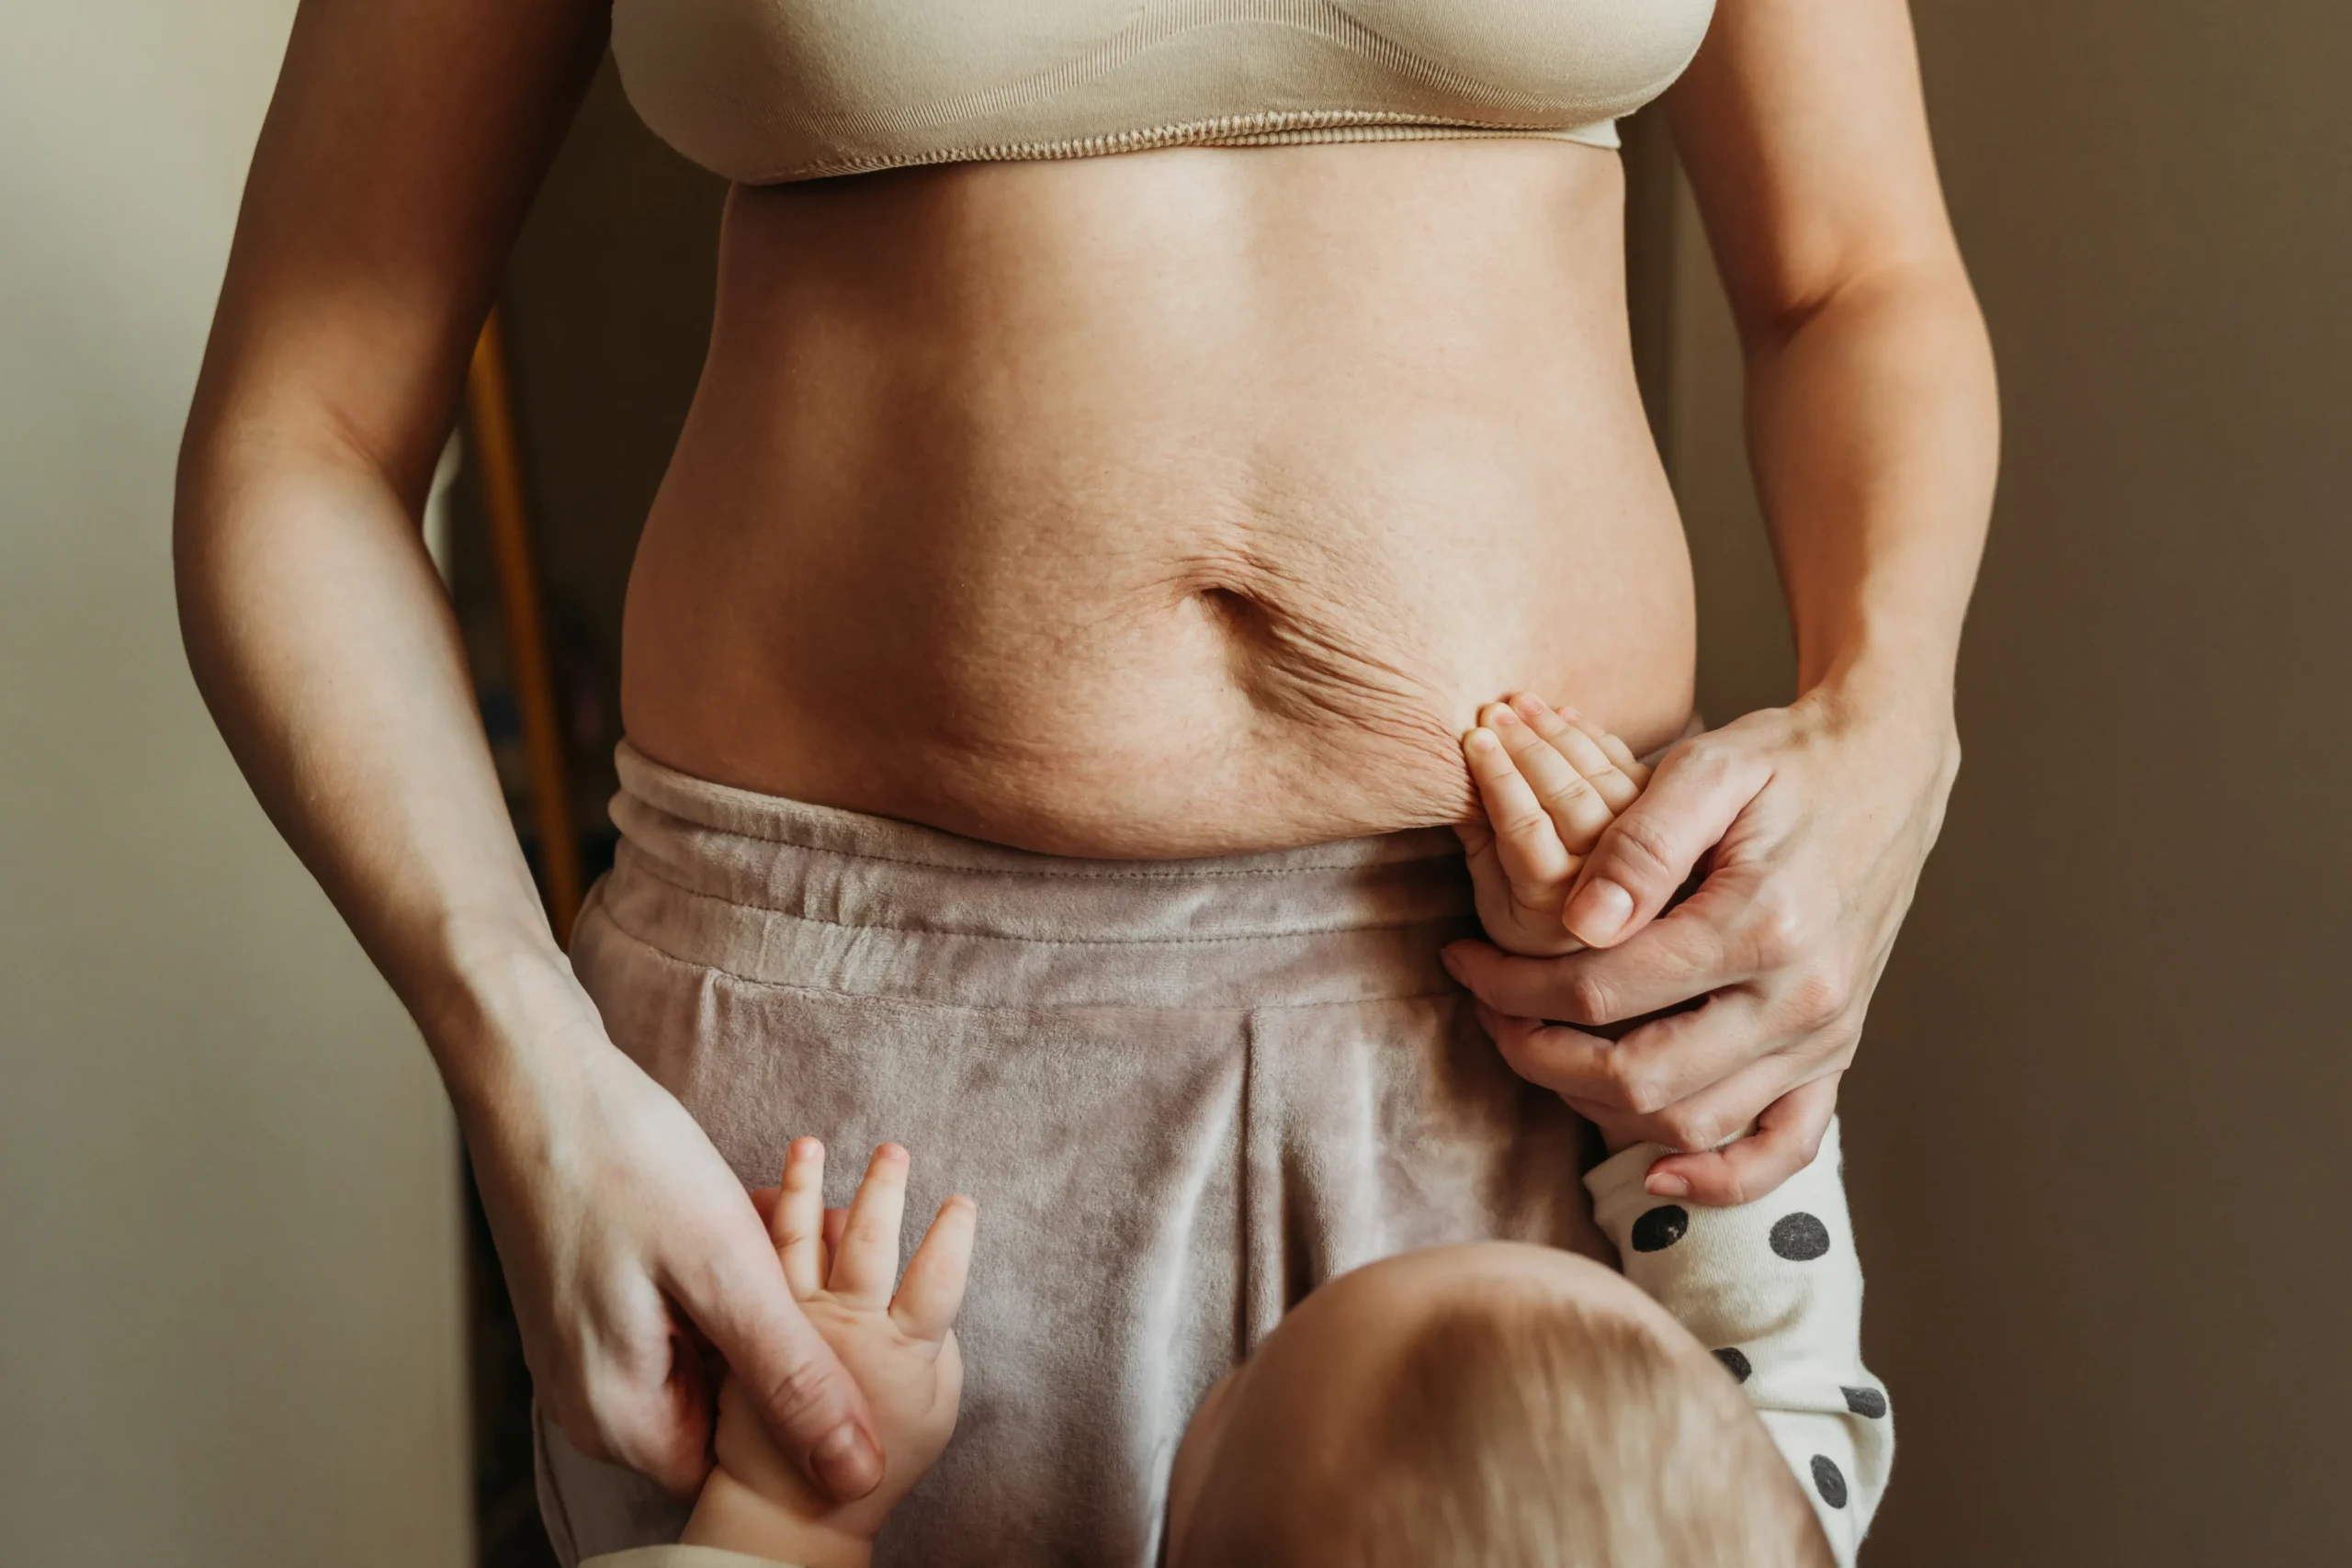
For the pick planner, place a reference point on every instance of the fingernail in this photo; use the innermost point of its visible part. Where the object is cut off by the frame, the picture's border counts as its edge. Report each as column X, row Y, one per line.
column 1453, row 965
column 1666, row 1186
column 1483, row 739
column 845, row 1463
column 1503, row 714
column 1600, row 911
column 1528, row 704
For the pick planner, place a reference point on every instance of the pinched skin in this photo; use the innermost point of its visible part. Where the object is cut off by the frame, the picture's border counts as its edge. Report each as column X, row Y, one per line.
column 1182, row 502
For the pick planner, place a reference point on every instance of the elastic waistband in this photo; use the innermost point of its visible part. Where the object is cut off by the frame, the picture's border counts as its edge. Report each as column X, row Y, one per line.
column 785, row 893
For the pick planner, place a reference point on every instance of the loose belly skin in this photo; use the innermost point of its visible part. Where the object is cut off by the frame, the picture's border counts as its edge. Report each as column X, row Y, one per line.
column 1174, row 503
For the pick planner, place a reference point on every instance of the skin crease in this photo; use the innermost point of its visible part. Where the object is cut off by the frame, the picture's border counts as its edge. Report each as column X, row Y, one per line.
column 1154, row 505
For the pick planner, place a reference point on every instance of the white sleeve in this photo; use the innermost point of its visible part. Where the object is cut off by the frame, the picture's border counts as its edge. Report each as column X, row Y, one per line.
column 680, row 1557
column 1774, row 1288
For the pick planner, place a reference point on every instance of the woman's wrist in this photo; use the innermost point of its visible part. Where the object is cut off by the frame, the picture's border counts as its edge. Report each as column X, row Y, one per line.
column 509, row 1014
column 1895, row 700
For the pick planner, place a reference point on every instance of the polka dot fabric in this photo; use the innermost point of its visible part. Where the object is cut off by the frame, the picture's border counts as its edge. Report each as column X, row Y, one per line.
column 1774, row 1289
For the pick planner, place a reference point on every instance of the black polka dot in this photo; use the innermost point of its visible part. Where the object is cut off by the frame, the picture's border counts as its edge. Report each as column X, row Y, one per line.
column 1867, row 1401
column 1661, row 1227
column 1734, row 1363
column 1830, row 1481
column 1798, row 1238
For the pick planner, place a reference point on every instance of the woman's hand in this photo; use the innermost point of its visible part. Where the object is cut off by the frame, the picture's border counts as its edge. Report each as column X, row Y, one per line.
column 631, row 1249
column 1812, row 822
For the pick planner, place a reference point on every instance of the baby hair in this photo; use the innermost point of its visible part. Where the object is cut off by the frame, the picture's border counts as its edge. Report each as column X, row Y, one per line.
column 1518, row 1430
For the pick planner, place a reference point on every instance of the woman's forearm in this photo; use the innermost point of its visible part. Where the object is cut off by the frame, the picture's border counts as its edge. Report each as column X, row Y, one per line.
column 1872, row 424
column 323, row 643
column 400, row 149
column 1874, row 434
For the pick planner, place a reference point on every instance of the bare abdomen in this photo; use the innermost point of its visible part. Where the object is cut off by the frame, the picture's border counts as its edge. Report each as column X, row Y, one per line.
column 1168, row 504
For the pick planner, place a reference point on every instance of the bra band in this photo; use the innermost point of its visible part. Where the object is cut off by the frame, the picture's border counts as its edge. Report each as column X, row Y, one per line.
column 768, row 91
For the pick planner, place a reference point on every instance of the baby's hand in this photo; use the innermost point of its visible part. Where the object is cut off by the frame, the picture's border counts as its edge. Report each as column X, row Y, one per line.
column 900, row 1347
column 1550, row 782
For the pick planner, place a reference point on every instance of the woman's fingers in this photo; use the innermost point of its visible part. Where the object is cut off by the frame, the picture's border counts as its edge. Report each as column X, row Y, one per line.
column 1534, row 859
column 1685, row 956
column 1649, row 853
column 797, row 1223
column 1788, row 1136
column 866, row 1263
column 932, row 1292
column 642, row 1398
column 1711, row 1117
column 1702, row 945
column 1576, row 808
column 1512, row 985
column 1657, row 1073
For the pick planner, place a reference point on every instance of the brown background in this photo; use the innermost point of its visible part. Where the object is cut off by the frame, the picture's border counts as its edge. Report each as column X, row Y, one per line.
column 2097, row 1135
column 2097, row 1141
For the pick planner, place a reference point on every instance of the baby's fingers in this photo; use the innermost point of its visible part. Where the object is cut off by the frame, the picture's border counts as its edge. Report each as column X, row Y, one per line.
column 1578, row 812
column 797, row 1223
column 1633, row 767
column 1477, row 839
column 1580, row 742
column 932, row 1292
column 1527, row 846
column 866, row 1263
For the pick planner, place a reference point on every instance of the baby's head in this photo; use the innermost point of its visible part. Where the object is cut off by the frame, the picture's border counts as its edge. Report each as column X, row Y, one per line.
column 1497, row 1405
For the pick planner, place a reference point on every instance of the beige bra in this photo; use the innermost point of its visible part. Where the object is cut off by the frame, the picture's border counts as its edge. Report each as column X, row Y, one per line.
column 769, row 90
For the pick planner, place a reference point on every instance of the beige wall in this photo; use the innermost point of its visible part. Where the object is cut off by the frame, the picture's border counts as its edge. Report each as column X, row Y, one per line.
column 2097, row 1136
column 228, row 1205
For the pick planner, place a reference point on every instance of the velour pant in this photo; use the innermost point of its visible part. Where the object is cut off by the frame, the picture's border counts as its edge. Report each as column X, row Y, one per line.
column 1183, row 1093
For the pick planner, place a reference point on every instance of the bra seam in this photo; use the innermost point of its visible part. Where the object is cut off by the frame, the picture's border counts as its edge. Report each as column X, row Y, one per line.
column 1398, row 125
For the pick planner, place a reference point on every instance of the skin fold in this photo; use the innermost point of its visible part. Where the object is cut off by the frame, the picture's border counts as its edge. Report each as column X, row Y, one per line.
column 1147, row 505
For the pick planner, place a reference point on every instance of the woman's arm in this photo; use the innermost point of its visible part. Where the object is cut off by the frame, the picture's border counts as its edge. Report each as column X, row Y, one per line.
column 403, row 145
column 1873, row 429
column 1872, row 420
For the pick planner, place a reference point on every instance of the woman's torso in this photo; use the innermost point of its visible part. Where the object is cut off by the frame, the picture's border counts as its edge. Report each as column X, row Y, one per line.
column 1176, row 502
